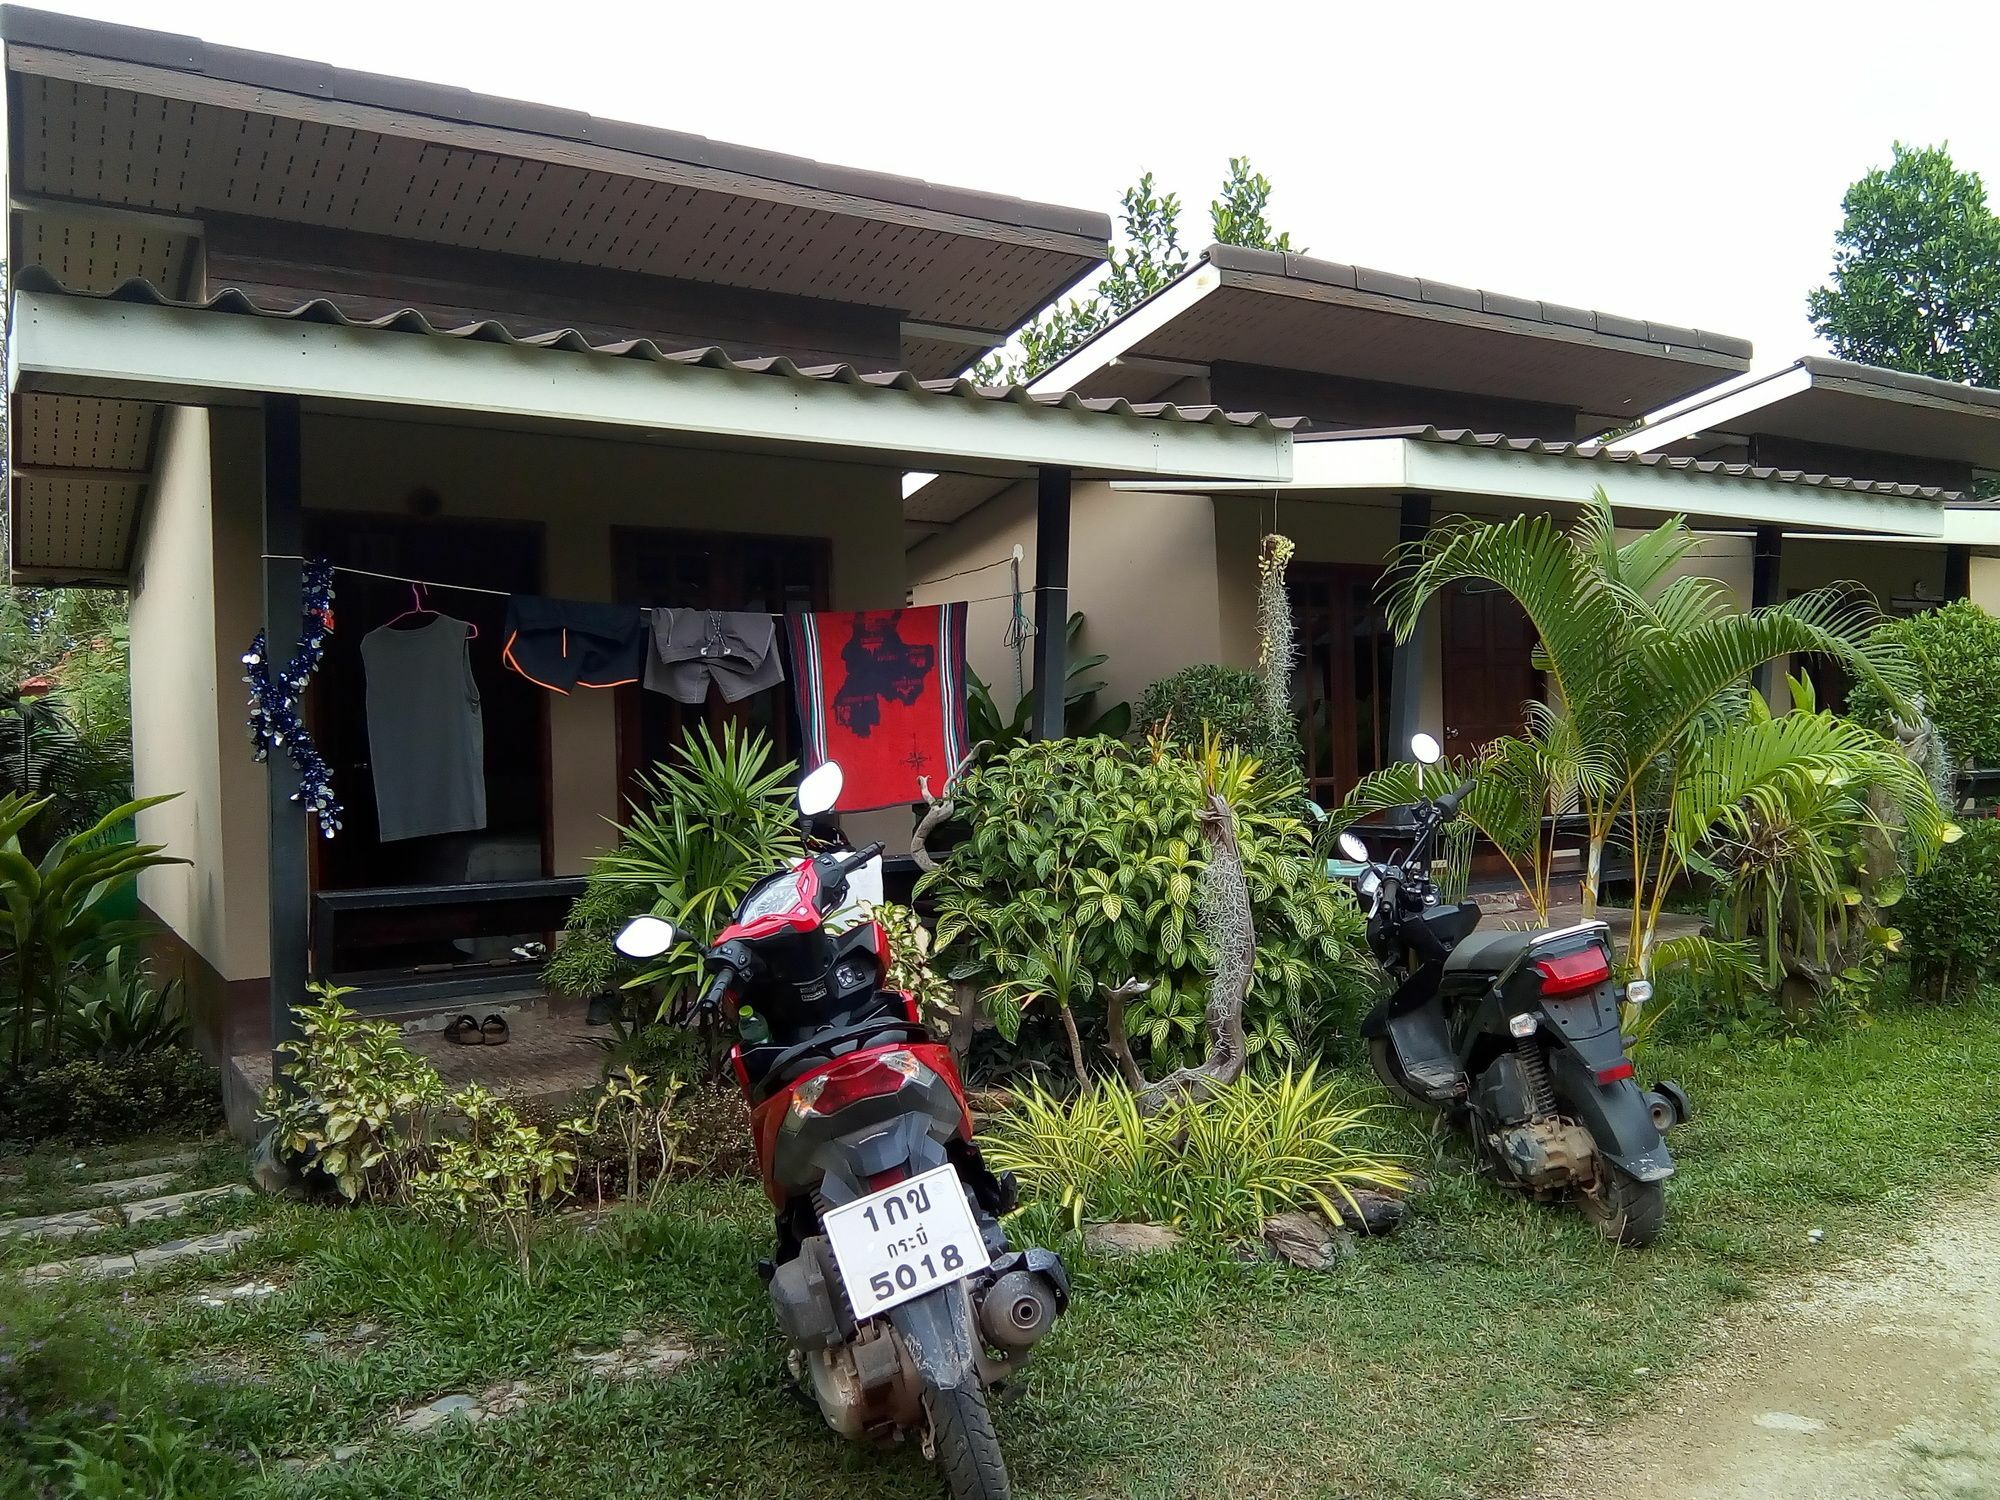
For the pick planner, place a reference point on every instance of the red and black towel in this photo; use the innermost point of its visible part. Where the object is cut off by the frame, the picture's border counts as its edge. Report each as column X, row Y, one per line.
column 883, row 693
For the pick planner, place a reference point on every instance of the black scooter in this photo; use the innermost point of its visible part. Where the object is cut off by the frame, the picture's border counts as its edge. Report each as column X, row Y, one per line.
column 1516, row 1035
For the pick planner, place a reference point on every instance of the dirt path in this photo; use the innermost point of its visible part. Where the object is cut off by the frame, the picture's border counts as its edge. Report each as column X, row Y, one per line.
column 1880, row 1383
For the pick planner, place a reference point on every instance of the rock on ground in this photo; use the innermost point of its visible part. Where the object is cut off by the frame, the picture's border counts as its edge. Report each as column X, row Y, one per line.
column 1130, row 1239
column 108, row 1267
column 1880, row 1381
column 1306, row 1240
column 636, row 1355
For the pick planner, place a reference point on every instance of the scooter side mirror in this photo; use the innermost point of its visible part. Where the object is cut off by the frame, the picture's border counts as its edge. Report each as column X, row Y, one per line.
column 1353, row 848
column 1425, row 749
column 646, row 937
column 820, row 789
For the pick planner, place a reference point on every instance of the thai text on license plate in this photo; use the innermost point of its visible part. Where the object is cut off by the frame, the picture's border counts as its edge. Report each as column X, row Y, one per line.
column 904, row 1241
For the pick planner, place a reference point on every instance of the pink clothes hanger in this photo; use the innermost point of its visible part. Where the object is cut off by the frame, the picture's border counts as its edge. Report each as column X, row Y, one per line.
column 418, row 607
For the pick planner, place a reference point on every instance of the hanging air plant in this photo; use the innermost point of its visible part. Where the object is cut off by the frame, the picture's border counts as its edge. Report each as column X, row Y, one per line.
column 1277, row 641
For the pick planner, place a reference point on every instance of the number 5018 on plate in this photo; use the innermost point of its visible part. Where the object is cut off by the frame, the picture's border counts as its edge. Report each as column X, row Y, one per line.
column 904, row 1241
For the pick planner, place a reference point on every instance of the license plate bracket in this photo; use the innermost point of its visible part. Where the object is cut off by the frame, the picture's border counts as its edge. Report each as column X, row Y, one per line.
column 903, row 1241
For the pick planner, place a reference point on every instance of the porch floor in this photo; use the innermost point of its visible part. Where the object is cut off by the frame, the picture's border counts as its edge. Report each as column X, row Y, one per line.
column 547, row 1062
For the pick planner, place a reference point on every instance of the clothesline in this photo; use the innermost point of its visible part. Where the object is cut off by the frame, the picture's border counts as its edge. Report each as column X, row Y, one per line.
column 473, row 588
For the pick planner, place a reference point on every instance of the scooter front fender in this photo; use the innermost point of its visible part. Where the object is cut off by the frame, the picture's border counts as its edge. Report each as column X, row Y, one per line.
column 1614, row 1113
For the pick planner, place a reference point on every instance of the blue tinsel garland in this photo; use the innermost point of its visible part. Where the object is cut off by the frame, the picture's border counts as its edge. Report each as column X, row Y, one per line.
column 274, row 704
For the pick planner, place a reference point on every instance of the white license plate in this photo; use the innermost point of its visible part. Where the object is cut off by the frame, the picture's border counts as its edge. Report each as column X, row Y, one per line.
column 904, row 1241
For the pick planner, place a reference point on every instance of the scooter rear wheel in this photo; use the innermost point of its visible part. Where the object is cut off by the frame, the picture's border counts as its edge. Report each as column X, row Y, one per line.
column 1382, row 1058
column 1627, row 1210
column 967, row 1449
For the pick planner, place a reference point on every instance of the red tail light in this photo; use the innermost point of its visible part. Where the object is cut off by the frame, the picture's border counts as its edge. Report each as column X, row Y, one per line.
column 863, row 1077
column 1614, row 1073
column 1567, row 973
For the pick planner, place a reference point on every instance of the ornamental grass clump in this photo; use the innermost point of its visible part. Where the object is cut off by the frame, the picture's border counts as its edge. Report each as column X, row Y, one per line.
column 1216, row 1164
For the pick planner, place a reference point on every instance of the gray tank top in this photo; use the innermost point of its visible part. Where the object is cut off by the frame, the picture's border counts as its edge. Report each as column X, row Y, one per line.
column 425, row 742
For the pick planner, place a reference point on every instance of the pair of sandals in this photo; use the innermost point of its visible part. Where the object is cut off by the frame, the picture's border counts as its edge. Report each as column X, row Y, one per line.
column 492, row 1032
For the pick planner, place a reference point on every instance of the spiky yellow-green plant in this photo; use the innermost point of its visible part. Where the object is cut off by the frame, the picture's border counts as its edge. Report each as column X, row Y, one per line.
column 1217, row 1163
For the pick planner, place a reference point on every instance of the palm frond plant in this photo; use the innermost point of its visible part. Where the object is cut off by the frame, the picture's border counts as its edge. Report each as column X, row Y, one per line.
column 705, row 828
column 56, row 914
column 1643, row 668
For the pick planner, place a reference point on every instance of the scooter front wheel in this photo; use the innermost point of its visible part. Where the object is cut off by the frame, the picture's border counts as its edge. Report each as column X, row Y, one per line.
column 1627, row 1210
column 967, row 1449
column 1382, row 1058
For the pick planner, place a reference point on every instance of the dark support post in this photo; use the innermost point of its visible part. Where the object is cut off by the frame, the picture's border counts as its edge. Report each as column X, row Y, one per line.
column 1051, row 601
column 1957, row 573
column 283, row 542
column 1406, row 664
column 1765, row 556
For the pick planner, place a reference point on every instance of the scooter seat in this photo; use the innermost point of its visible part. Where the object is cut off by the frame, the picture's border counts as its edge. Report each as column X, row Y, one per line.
column 1488, row 952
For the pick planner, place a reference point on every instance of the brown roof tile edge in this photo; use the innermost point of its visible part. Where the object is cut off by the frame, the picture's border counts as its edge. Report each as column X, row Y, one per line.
column 1461, row 437
column 231, row 301
column 1823, row 368
column 1413, row 289
column 25, row 26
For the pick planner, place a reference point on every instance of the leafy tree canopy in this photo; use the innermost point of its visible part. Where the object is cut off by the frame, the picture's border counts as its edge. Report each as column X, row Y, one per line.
column 1916, row 272
column 1148, row 256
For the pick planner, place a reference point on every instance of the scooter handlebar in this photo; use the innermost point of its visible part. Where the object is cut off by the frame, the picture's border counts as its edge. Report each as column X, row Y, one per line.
column 718, row 988
column 1448, row 803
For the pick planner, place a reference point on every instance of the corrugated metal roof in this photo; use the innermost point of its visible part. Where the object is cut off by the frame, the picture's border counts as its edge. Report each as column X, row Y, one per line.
column 1597, row 453
column 230, row 301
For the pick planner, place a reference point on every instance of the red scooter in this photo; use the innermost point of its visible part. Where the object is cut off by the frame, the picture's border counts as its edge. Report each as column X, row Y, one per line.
column 892, row 1282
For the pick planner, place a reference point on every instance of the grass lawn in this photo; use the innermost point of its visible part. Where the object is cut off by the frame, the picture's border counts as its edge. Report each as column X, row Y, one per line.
column 1429, row 1365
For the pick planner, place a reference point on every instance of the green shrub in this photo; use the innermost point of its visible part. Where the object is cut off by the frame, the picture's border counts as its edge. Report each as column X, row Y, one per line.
column 89, row 1101
column 1950, row 917
column 122, row 1010
column 1226, row 699
column 1957, row 650
column 1081, row 872
column 1218, row 1165
column 706, row 828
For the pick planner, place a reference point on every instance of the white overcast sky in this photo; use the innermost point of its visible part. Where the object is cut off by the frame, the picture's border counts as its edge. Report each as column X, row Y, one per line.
column 1679, row 162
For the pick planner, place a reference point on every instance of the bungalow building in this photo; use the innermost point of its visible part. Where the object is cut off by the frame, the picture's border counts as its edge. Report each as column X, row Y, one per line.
column 1426, row 400
column 263, row 309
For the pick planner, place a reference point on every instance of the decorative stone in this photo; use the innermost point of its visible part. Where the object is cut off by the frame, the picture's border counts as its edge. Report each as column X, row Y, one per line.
column 174, row 1205
column 347, row 1452
column 132, row 1187
column 63, row 1226
column 83, row 1268
column 1379, row 1213
column 1307, row 1241
column 637, row 1355
column 1130, row 1239
column 207, row 1244
column 225, row 1296
column 424, row 1418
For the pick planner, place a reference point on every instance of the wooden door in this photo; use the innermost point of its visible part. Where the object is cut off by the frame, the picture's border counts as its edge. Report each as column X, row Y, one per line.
column 710, row 570
column 1340, row 690
column 1489, row 670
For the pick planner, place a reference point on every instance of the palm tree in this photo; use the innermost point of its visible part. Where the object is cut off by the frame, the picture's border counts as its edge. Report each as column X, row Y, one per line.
column 1648, row 676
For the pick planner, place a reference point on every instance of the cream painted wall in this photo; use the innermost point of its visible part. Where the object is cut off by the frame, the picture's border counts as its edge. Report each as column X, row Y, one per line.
column 1984, row 584
column 1143, row 571
column 581, row 488
column 175, row 710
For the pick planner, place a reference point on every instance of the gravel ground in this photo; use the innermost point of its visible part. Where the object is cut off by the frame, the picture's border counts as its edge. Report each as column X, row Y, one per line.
column 1881, row 1382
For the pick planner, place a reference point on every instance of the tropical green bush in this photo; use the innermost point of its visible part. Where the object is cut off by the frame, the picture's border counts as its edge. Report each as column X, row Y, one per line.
column 56, row 916
column 1956, row 648
column 1230, row 700
column 89, row 1101
column 1648, row 736
column 1951, row 917
column 1081, row 715
column 1219, row 1164
column 123, row 1010
column 706, row 828
column 1080, row 873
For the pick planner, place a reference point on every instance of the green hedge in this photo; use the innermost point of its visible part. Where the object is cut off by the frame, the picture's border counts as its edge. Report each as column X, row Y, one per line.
column 1227, row 698
column 1950, row 917
column 87, row 1101
column 1957, row 649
